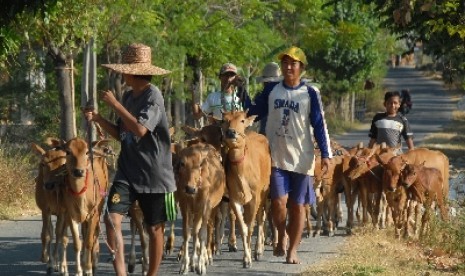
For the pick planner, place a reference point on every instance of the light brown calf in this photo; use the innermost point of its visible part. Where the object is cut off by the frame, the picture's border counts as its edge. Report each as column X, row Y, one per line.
column 49, row 191
column 248, row 169
column 425, row 185
column 213, row 135
column 201, row 183
column 86, row 187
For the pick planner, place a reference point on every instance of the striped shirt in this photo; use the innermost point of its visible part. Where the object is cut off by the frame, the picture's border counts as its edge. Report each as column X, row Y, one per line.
column 390, row 129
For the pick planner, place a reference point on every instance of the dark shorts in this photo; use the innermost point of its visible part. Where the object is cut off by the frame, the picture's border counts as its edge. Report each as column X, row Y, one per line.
column 157, row 208
column 297, row 186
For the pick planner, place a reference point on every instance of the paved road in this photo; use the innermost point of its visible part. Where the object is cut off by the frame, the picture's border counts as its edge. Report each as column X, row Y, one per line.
column 20, row 244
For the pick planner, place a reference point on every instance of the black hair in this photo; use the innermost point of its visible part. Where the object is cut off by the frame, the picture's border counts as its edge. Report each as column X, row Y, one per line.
column 143, row 77
column 391, row 94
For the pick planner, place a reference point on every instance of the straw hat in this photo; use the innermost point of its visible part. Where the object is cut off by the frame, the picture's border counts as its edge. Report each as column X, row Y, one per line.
column 137, row 60
column 270, row 73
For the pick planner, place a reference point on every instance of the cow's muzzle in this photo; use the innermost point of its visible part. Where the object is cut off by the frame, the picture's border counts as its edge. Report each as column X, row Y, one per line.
column 190, row 190
column 50, row 185
column 231, row 133
column 78, row 173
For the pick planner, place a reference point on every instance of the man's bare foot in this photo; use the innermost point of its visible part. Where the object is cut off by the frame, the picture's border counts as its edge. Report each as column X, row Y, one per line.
column 281, row 247
column 292, row 258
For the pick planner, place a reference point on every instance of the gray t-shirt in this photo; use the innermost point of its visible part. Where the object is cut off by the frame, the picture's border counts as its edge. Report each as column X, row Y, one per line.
column 144, row 162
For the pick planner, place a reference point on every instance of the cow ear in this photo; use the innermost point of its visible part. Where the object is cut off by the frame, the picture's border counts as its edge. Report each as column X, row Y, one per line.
column 249, row 121
column 37, row 149
column 54, row 142
column 100, row 143
column 383, row 145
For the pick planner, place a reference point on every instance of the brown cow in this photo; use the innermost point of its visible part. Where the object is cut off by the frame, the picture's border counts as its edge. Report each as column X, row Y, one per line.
column 213, row 135
column 393, row 166
column 326, row 194
column 248, row 170
column 49, row 198
column 86, row 184
column 369, row 173
column 425, row 185
column 201, row 183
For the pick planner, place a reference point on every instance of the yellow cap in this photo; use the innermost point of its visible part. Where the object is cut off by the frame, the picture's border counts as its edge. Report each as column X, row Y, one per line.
column 295, row 53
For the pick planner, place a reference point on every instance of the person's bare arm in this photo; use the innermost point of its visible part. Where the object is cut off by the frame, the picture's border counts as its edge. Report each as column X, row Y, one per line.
column 109, row 127
column 197, row 111
column 410, row 144
column 371, row 143
column 128, row 119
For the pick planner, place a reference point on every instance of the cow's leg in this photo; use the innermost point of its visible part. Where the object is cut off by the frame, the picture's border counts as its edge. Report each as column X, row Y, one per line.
column 89, row 227
column 46, row 237
column 169, row 247
column 186, row 233
column 418, row 218
column 320, row 210
column 62, row 244
column 74, row 226
column 260, row 242
column 377, row 196
column 308, row 224
column 350, row 206
column 331, row 213
column 247, row 259
column 363, row 197
column 382, row 211
column 339, row 209
column 232, row 243
column 221, row 215
column 196, row 226
column 132, row 247
column 425, row 217
column 203, row 241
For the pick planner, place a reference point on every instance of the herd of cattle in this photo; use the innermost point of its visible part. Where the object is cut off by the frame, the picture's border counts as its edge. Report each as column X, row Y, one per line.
column 224, row 172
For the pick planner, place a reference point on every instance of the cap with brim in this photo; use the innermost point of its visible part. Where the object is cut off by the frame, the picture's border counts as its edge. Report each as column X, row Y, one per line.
column 295, row 53
column 228, row 68
column 271, row 73
column 137, row 60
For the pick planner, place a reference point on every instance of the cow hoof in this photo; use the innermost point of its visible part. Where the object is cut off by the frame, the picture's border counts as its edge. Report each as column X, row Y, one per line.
column 331, row 234
column 258, row 256
column 232, row 248
column 247, row 264
column 131, row 268
column 307, row 235
column 349, row 231
column 49, row 270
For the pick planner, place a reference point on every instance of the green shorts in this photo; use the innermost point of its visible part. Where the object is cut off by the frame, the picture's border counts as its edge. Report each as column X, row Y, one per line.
column 157, row 208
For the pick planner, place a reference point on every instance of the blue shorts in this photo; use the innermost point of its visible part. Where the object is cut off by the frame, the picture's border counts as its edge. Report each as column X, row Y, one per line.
column 299, row 187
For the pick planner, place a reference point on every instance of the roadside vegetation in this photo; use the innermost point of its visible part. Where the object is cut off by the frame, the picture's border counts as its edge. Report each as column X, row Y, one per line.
column 16, row 182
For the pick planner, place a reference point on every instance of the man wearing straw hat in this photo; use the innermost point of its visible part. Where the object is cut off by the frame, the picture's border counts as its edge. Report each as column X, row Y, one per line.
column 144, row 171
column 295, row 117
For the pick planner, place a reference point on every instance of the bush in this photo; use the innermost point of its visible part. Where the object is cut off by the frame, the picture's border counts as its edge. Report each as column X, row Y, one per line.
column 17, row 181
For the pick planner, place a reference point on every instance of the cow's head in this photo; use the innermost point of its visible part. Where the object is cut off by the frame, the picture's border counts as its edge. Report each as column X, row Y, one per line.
column 409, row 174
column 211, row 134
column 51, row 168
column 362, row 162
column 77, row 161
column 234, row 126
column 192, row 168
column 392, row 171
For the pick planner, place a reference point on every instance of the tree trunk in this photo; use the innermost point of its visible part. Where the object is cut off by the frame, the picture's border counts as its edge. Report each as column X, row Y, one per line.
column 64, row 89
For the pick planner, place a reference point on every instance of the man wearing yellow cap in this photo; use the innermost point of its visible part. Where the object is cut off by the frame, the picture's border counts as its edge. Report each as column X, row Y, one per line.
column 295, row 116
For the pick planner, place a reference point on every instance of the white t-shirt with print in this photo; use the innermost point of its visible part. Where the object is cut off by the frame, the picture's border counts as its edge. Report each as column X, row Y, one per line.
column 213, row 104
